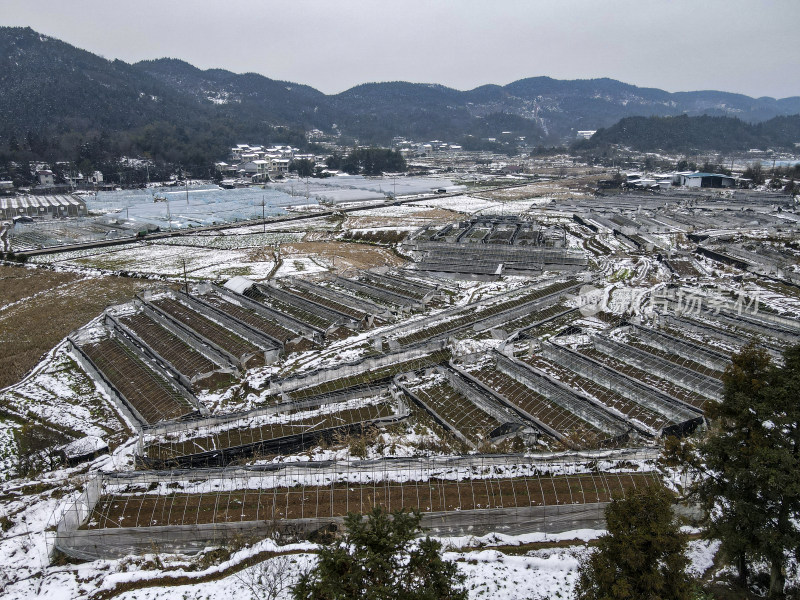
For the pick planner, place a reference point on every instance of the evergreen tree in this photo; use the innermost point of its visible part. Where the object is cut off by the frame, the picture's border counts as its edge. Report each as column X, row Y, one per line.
column 749, row 461
column 726, row 457
column 776, row 467
column 378, row 560
column 304, row 167
column 754, row 172
column 641, row 556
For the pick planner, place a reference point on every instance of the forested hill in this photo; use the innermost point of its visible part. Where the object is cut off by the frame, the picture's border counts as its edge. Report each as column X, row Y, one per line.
column 60, row 102
column 684, row 133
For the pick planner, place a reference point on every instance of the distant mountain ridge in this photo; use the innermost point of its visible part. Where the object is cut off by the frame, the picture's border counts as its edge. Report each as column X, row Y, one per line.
column 559, row 107
column 55, row 89
column 684, row 134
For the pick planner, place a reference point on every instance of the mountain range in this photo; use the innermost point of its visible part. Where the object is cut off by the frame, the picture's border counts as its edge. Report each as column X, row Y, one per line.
column 55, row 91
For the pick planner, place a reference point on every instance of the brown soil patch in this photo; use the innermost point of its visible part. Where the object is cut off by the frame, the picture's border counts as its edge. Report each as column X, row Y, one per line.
column 419, row 218
column 456, row 410
column 338, row 499
column 342, row 256
column 690, row 397
column 17, row 283
column 147, row 392
column 575, row 429
column 220, row 335
column 605, row 396
column 31, row 328
column 182, row 356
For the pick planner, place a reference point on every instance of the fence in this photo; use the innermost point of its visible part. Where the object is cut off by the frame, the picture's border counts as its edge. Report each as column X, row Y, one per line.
column 283, row 429
column 288, row 322
column 683, row 324
column 566, row 398
column 135, row 384
column 398, row 301
column 709, row 387
column 678, row 414
column 420, row 356
column 689, row 351
column 358, row 304
column 483, row 314
column 186, row 511
column 321, row 312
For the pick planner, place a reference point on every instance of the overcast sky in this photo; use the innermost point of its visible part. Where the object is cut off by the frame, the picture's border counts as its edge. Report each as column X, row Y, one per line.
column 752, row 47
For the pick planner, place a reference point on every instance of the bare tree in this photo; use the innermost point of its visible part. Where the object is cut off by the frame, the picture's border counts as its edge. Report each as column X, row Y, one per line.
column 268, row 580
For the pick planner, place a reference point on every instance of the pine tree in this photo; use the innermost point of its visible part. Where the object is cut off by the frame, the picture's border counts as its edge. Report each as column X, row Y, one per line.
column 378, row 560
column 726, row 458
column 749, row 463
column 776, row 467
column 641, row 556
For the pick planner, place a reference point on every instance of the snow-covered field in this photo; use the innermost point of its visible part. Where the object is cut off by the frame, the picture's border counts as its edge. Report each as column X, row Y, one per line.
column 199, row 205
column 58, row 393
column 168, row 260
column 540, row 573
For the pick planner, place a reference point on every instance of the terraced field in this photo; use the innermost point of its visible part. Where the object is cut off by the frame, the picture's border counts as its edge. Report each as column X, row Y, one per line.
column 338, row 499
column 149, row 393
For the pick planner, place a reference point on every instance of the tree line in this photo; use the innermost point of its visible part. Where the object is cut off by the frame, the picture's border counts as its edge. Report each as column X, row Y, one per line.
column 367, row 161
column 189, row 149
column 682, row 133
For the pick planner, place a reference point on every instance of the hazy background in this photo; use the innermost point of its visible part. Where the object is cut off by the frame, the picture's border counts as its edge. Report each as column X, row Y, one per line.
column 680, row 45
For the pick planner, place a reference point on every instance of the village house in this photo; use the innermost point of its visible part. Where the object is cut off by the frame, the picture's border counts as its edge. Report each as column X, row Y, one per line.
column 45, row 177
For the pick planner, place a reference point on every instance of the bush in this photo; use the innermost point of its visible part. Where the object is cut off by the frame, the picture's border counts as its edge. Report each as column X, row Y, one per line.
column 377, row 559
column 37, row 448
column 643, row 554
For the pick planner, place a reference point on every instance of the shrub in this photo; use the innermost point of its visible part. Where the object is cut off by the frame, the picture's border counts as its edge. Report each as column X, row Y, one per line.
column 377, row 559
column 641, row 556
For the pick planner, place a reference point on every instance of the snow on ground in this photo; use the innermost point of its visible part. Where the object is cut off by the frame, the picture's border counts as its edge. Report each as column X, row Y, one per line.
column 228, row 241
column 464, row 204
column 299, row 265
column 168, row 260
column 701, row 555
column 58, row 392
column 403, row 210
column 472, row 204
column 306, row 225
column 542, row 574
column 8, row 448
column 539, row 574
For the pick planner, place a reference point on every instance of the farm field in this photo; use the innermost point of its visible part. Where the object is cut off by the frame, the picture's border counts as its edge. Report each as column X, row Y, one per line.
column 248, row 432
column 337, row 500
column 38, row 308
column 474, row 394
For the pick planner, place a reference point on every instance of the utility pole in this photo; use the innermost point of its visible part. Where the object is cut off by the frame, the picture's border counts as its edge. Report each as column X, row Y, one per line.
column 186, row 183
column 263, row 214
column 185, row 280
